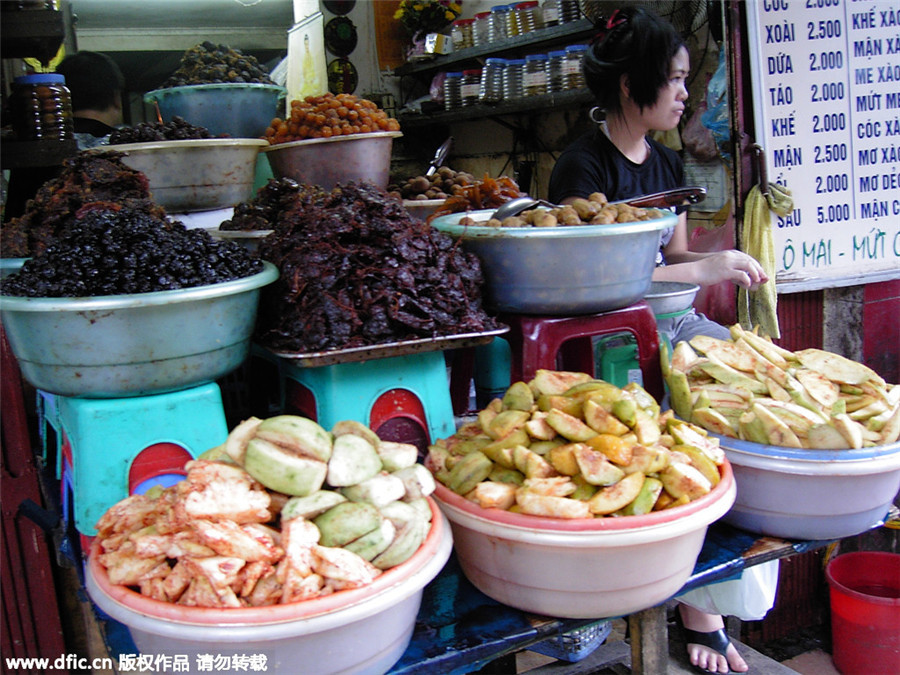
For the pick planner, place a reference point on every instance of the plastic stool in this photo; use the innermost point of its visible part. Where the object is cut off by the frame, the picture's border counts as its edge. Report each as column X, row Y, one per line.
column 115, row 447
column 393, row 396
column 537, row 340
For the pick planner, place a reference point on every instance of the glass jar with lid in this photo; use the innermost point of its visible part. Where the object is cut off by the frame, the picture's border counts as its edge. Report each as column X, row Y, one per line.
column 40, row 107
column 512, row 79
column 569, row 11
column 527, row 17
column 462, row 34
column 555, row 61
column 502, row 21
column 492, row 80
column 550, row 13
column 482, row 32
column 534, row 80
column 573, row 74
column 470, row 86
column 453, row 90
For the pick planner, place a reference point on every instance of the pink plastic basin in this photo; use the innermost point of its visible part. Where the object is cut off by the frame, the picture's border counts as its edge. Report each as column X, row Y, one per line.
column 364, row 630
column 582, row 568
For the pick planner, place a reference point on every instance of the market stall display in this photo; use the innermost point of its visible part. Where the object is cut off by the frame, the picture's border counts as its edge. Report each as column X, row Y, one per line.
column 146, row 305
column 563, row 270
column 238, row 566
column 600, row 503
column 812, row 436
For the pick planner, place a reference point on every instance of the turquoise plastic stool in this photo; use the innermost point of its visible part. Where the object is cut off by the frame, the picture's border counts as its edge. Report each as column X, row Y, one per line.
column 401, row 398
column 113, row 448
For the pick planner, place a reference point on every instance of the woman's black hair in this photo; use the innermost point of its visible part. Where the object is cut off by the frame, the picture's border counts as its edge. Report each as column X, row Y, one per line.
column 93, row 79
column 636, row 43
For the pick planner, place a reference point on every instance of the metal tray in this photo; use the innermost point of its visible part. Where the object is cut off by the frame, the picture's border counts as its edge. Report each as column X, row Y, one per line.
column 388, row 349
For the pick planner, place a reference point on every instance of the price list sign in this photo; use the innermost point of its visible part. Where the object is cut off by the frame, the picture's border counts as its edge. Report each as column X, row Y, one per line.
column 826, row 86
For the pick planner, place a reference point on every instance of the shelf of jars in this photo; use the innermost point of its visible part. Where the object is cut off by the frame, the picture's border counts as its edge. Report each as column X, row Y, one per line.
column 573, row 31
column 528, row 104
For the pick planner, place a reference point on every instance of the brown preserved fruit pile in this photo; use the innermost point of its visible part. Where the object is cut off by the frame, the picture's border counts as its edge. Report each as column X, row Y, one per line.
column 329, row 115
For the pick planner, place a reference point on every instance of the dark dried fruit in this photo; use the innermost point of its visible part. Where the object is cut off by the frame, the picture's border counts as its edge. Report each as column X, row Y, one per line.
column 113, row 251
column 209, row 63
column 178, row 129
column 357, row 270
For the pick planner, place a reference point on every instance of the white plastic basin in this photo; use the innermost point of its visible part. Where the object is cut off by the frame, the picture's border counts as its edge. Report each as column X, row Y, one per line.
column 365, row 630
column 582, row 568
column 811, row 494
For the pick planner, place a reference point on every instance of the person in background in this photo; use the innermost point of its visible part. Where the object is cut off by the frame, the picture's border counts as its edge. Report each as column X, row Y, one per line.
column 637, row 68
column 96, row 85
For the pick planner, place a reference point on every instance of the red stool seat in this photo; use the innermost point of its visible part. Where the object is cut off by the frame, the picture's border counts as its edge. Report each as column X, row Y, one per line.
column 536, row 341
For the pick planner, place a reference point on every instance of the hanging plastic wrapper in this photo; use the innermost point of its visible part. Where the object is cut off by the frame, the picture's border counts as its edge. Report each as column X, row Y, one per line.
column 716, row 118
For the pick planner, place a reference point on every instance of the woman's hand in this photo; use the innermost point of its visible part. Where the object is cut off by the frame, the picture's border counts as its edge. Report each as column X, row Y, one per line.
column 706, row 269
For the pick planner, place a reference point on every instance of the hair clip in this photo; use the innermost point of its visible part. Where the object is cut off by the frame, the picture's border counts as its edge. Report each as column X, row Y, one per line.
column 614, row 21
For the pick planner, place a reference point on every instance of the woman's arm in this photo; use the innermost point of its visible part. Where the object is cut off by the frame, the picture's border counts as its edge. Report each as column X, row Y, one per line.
column 706, row 269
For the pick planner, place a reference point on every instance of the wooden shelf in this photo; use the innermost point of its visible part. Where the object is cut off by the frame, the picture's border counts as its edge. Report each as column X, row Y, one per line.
column 31, row 154
column 34, row 33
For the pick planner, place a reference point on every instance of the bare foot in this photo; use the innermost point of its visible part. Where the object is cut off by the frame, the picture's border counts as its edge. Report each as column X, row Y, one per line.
column 705, row 657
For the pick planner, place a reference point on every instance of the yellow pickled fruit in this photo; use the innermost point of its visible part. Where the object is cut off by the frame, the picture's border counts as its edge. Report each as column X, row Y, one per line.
column 616, row 448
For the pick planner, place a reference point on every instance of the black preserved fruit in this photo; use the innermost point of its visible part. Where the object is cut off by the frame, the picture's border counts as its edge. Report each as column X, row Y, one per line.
column 112, row 251
column 357, row 270
column 210, row 63
column 261, row 212
column 87, row 178
column 178, row 129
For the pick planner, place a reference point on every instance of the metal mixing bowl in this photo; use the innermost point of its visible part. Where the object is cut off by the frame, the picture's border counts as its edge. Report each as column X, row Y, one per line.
column 562, row 271
column 328, row 161
column 131, row 345
column 669, row 297
column 196, row 175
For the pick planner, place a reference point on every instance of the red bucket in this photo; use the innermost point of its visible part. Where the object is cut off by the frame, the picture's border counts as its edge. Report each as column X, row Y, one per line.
column 865, row 612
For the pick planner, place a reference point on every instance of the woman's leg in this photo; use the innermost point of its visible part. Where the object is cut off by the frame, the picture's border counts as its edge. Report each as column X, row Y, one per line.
column 702, row 655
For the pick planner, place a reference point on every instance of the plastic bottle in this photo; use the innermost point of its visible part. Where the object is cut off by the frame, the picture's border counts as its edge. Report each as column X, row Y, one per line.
column 501, row 16
column 481, row 29
column 453, row 91
column 555, row 62
column 40, row 108
column 513, row 74
column 550, row 13
column 527, row 17
column 534, row 80
column 573, row 75
column 492, row 80
column 569, row 11
column 470, row 86
column 461, row 34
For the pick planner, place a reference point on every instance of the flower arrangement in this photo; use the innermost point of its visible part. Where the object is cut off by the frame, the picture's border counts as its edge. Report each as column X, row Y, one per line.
column 427, row 16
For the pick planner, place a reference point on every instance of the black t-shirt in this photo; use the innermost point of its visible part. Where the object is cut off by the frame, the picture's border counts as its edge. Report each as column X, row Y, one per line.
column 593, row 164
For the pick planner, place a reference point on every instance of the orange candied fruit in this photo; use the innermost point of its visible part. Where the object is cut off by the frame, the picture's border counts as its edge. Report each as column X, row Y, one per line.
column 327, row 116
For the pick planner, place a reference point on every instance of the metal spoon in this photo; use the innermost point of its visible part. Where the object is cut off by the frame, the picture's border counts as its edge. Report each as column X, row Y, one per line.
column 515, row 206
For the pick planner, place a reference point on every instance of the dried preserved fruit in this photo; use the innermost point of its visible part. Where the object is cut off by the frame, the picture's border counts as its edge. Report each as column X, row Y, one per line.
column 329, row 115
column 109, row 250
column 178, row 129
column 209, row 63
column 261, row 212
column 88, row 177
column 358, row 270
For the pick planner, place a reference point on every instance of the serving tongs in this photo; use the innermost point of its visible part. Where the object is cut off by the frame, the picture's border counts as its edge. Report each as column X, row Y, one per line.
column 659, row 200
column 439, row 156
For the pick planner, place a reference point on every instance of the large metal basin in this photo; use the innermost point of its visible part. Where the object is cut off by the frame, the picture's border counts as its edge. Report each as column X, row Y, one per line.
column 578, row 269
column 198, row 174
column 132, row 345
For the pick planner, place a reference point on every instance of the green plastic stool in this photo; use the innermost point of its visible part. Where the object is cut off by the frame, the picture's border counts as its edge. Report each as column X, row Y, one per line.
column 401, row 398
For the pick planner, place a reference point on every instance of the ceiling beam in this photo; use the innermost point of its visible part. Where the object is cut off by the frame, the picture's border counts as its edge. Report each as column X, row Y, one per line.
column 178, row 39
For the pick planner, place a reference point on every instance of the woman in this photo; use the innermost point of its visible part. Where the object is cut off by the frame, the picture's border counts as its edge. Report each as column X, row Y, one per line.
column 637, row 69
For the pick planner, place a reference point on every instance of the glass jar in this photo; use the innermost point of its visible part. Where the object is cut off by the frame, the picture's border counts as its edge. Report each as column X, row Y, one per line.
column 512, row 79
column 555, row 61
column 461, row 34
column 40, row 108
column 482, row 32
column 569, row 11
column 550, row 13
column 534, row 80
column 492, row 80
column 501, row 18
column 573, row 74
column 453, row 91
column 528, row 17
column 470, row 86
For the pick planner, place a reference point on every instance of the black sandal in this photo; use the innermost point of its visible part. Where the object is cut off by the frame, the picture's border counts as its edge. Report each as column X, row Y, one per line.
column 716, row 640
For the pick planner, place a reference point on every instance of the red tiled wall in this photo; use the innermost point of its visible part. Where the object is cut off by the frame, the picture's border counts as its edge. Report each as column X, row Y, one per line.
column 800, row 318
